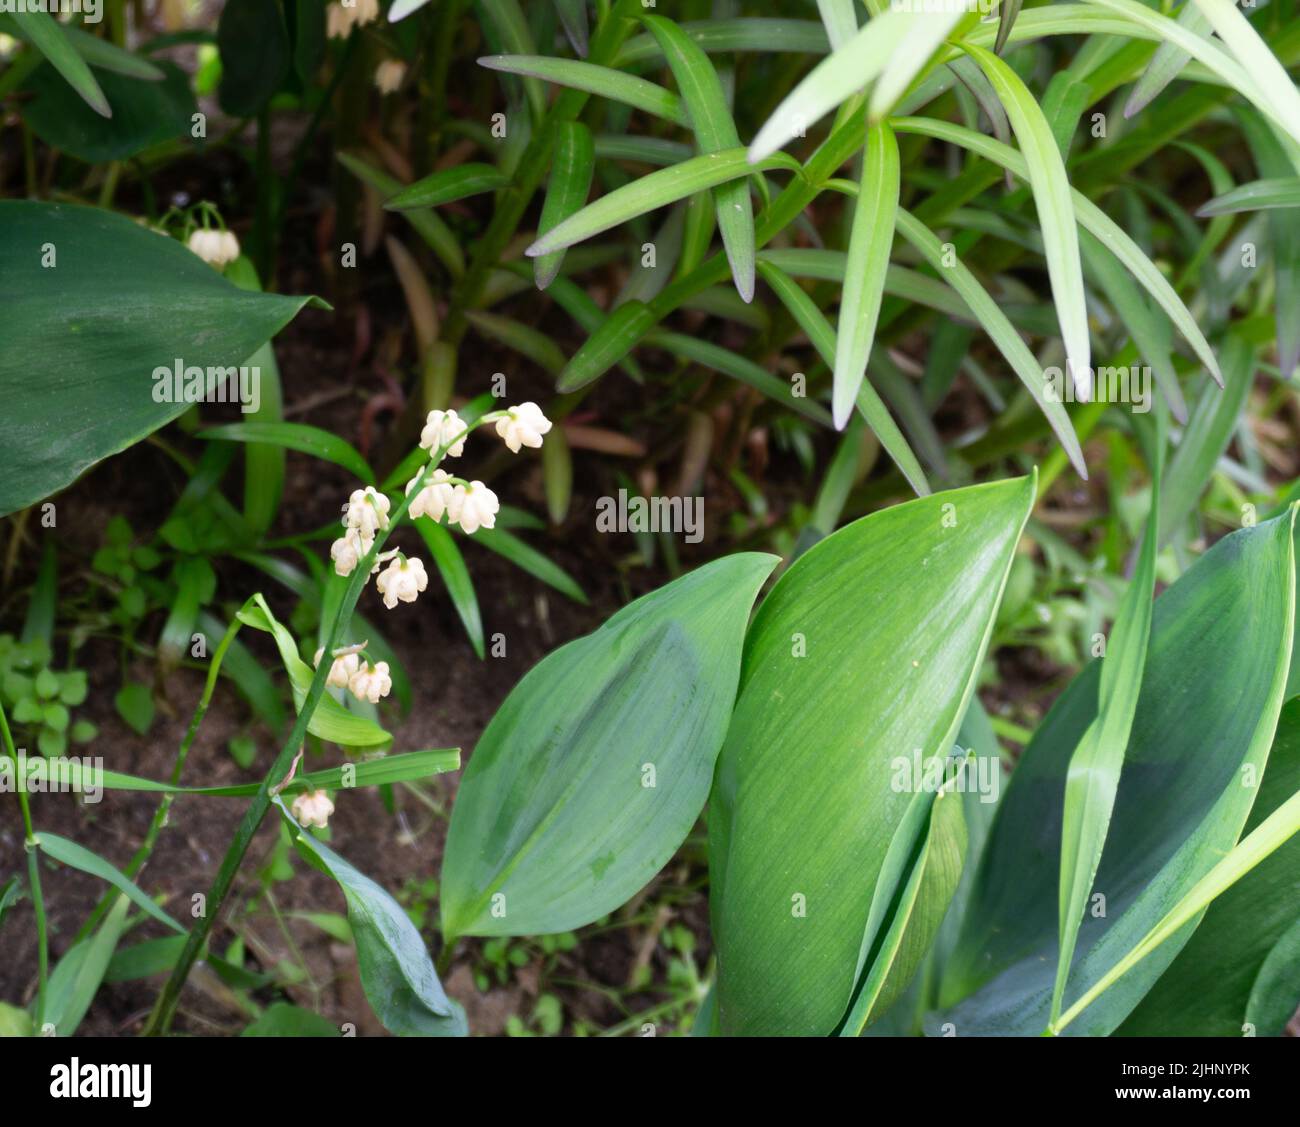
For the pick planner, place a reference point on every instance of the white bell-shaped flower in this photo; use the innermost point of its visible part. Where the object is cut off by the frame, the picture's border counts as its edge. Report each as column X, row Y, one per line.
column 434, row 496
column 348, row 551
column 367, row 511
column 371, row 682
column 389, row 75
column 401, row 581
column 442, row 427
column 213, row 246
column 523, row 426
column 313, row 808
column 341, row 670
column 473, row 506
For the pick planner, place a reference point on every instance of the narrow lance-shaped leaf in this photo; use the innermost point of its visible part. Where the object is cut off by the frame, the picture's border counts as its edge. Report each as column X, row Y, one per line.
column 869, row 404
column 927, row 31
column 667, row 185
column 1257, row 60
column 1258, row 195
column 715, row 132
column 1166, row 63
column 840, row 19
column 1093, row 776
column 604, row 82
column 572, row 167
column 47, row 35
column 1092, row 218
column 448, row 185
column 870, row 242
column 841, row 74
column 1051, row 188
column 1047, row 395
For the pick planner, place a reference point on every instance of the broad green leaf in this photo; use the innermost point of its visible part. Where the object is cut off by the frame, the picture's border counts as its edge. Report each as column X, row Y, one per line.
column 1209, row 429
column 146, row 112
column 450, row 184
column 1209, row 989
column 1256, row 847
column 1051, row 188
column 1274, row 998
column 76, row 978
column 855, row 659
column 1091, row 218
column 870, row 242
column 594, row 769
column 255, row 55
column 837, row 77
column 604, row 82
column 79, row 857
column 297, row 436
column 102, row 54
column 1209, row 701
column 715, row 132
column 1092, row 779
column 869, row 404
column 572, row 166
column 1002, row 332
column 282, row 1019
column 1258, row 195
column 658, row 189
column 107, row 304
column 919, row 913
column 48, row 36
column 396, row 972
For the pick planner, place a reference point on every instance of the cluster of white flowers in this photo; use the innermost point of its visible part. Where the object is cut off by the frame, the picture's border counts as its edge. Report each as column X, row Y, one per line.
column 470, row 504
column 343, row 15
column 352, row 670
column 389, row 75
column 213, row 246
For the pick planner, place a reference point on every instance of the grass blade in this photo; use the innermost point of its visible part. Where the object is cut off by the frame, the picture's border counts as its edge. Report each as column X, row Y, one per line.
column 1165, row 63
column 46, row 34
column 925, row 33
